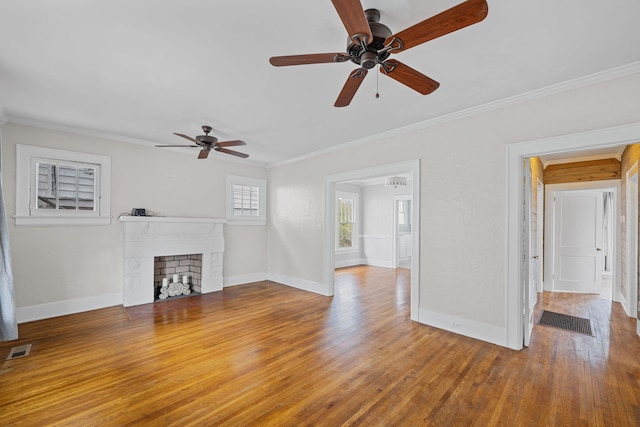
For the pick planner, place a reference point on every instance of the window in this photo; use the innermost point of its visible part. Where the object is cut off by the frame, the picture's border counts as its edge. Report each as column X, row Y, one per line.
column 347, row 205
column 404, row 216
column 61, row 187
column 64, row 186
column 246, row 201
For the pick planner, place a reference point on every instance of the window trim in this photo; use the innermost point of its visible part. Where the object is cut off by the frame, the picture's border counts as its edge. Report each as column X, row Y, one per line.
column 233, row 219
column 26, row 182
column 355, row 231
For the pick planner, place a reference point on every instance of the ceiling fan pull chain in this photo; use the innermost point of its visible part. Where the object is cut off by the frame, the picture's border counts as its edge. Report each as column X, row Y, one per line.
column 377, row 83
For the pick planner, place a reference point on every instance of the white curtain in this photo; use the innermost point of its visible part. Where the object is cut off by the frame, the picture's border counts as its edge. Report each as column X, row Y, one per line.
column 8, row 325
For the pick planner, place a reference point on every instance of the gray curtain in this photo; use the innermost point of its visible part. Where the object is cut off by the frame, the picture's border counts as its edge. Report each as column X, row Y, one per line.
column 8, row 325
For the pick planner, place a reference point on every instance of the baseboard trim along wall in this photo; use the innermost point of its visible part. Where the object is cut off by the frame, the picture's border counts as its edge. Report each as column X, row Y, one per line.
column 305, row 285
column 349, row 263
column 62, row 308
column 462, row 326
column 243, row 279
column 386, row 263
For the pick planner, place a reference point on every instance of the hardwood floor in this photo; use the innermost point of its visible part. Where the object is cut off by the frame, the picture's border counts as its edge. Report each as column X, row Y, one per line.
column 268, row 354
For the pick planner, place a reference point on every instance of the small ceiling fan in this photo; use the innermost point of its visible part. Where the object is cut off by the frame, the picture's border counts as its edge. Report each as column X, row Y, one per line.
column 207, row 142
column 371, row 43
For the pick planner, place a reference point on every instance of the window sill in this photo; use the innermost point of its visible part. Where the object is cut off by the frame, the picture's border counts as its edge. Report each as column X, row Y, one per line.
column 57, row 220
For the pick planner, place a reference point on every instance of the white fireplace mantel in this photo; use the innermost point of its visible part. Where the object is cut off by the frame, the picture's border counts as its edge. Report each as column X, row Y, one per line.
column 148, row 237
column 130, row 218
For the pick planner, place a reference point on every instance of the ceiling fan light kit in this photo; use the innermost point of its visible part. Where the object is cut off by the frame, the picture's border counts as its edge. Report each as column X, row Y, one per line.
column 206, row 143
column 396, row 181
column 371, row 43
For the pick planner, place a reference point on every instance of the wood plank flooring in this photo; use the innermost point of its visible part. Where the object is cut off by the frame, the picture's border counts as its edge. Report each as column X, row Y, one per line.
column 267, row 354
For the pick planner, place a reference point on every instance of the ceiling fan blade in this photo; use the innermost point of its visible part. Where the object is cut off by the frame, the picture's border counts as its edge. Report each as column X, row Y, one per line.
column 186, row 137
column 230, row 143
column 203, row 154
column 176, row 145
column 233, row 153
column 354, row 20
column 350, row 87
column 311, row 58
column 409, row 77
column 460, row 16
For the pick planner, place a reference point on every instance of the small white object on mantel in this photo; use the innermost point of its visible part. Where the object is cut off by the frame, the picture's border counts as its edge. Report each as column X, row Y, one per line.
column 148, row 237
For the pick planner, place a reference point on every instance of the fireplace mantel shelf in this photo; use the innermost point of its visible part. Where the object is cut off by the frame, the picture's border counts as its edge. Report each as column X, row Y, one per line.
column 130, row 218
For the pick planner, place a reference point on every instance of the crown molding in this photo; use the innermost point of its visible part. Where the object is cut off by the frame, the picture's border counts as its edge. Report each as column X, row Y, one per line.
column 600, row 77
column 113, row 137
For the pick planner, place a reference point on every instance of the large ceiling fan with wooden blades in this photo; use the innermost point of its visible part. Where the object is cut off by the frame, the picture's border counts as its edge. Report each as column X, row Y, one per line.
column 371, row 43
column 206, row 143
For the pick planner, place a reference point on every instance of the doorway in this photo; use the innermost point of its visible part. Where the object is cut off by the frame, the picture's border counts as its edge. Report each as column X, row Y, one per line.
column 517, row 242
column 412, row 170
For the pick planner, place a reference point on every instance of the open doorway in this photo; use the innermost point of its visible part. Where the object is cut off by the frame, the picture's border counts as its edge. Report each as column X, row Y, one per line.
column 372, row 247
column 518, row 245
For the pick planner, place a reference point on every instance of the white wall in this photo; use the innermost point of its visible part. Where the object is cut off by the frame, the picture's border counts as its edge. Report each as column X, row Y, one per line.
column 463, row 199
column 378, row 223
column 463, row 206
column 66, row 269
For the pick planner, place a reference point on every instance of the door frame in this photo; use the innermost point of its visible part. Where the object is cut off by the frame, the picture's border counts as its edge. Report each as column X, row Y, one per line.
column 514, row 286
column 411, row 167
column 630, row 302
column 540, row 206
column 549, row 233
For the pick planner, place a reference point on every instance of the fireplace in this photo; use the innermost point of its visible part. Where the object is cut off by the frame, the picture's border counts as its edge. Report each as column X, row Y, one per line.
column 161, row 247
column 166, row 267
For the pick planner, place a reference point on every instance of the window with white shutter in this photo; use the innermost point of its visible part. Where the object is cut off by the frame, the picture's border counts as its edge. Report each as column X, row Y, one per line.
column 58, row 187
column 65, row 186
column 246, row 201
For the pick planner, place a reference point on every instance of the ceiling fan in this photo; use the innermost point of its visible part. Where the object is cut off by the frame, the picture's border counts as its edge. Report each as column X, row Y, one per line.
column 207, row 142
column 371, row 43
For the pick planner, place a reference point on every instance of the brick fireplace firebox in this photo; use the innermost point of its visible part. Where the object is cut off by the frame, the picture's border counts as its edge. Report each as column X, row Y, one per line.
column 146, row 238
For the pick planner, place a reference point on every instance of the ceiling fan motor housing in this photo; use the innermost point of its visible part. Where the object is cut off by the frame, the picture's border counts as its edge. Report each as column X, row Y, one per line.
column 369, row 57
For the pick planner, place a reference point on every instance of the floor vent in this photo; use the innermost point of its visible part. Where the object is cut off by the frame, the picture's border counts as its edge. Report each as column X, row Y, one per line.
column 566, row 322
column 20, row 351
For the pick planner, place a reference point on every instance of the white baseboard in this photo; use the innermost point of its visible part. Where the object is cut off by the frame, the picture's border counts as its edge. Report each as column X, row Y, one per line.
column 349, row 263
column 467, row 327
column 386, row 263
column 62, row 308
column 243, row 279
column 305, row 285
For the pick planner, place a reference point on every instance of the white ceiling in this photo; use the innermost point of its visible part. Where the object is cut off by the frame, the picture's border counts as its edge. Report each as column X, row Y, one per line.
column 139, row 70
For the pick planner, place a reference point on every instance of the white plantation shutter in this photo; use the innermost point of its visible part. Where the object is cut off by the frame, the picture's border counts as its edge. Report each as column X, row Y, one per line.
column 246, row 200
column 65, row 186
column 60, row 187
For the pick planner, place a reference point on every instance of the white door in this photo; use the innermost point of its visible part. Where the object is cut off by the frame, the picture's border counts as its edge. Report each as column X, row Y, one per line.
column 529, row 292
column 578, row 241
